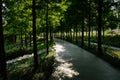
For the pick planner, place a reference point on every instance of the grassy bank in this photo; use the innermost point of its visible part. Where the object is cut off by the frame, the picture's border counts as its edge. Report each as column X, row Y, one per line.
column 108, row 54
column 107, row 40
column 17, row 52
column 23, row 70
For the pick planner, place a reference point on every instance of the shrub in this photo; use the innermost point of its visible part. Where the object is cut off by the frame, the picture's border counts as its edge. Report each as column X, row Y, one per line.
column 16, row 52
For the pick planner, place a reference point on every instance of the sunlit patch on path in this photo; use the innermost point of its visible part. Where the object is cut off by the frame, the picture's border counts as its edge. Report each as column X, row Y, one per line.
column 63, row 67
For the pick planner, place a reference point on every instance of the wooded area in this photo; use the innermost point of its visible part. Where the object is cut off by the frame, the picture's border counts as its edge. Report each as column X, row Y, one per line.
column 25, row 24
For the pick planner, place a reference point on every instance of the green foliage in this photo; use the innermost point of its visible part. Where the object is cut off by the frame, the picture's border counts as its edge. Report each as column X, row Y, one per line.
column 108, row 54
column 16, row 52
column 40, row 47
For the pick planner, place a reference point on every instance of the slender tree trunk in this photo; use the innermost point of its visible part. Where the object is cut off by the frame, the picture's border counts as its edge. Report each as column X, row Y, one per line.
column 92, row 32
column 86, row 33
column 51, row 35
column 66, row 34
column 34, row 36
column 77, row 34
column 74, row 33
column 99, row 25
column 25, row 40
column 3, row 71
column 103, row 32
column 15, row 39
column 89, row 22
column 61, row 31
column 82, row 41
column 21, row 38
column 45, row 36
column 70, row 35
column 47, row 27
column 30, row 39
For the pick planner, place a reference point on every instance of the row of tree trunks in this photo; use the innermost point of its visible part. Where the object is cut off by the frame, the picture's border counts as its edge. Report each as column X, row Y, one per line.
column 82, row 39
column 89, row 31
column 51, row 35
column 3, row 71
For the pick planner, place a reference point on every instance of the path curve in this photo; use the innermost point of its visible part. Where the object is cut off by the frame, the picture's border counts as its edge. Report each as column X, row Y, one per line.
column 74, row 63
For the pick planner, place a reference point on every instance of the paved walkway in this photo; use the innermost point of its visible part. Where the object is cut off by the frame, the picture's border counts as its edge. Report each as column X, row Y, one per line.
column 74, row 63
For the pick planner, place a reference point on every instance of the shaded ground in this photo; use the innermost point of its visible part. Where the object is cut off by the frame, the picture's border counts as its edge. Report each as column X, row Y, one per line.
column 74, row 63
column 24, row 68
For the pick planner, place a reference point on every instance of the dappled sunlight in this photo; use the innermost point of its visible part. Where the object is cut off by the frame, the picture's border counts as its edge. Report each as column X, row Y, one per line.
column 63, row 67
column 27, row 56
column 66, row 70
column 59, row 48
column 20, row 58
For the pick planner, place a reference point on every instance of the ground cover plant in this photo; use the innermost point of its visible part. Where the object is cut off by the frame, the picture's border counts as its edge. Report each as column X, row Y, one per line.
column 24, row 70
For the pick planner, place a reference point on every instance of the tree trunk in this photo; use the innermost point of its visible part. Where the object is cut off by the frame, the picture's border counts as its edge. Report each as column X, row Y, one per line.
column 86, row 33
column 34, row 36
column 82, row 40
column 15, row 39
column 92, row 32
column 89, row 22
column 60, row 31
column 30, row 39
column 103, row 32
column 79, row 36
column 76, row 34
column 51, row 35
column 66, row 34
column 21, row 38
column 3, row 71
column 25, row 40
column 47, row 27
column 99, row 25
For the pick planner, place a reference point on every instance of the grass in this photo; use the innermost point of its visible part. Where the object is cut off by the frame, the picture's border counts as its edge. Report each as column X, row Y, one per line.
column 108, row 54
column 109, row 40
column 114, row 53
column 24, row 70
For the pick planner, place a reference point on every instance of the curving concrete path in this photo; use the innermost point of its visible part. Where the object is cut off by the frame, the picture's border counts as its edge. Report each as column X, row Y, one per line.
column 74, row 63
